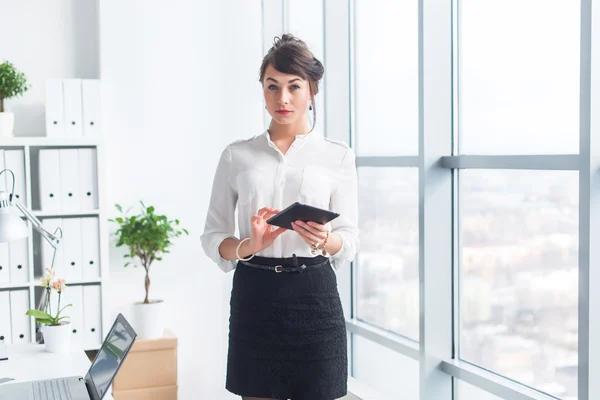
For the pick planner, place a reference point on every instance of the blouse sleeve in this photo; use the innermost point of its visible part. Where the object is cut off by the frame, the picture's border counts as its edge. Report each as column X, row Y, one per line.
column 345, row 202
column 220, row 218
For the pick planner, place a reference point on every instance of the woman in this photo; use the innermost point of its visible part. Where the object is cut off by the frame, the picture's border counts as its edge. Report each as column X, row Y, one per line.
column 287, row 337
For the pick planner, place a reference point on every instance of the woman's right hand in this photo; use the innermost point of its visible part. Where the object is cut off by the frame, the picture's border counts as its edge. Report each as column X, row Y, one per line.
column 262, row 235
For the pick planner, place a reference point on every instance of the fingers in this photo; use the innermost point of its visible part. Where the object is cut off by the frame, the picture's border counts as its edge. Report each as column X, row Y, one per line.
column 267, row 212
column 310, row 234
column 319, row 227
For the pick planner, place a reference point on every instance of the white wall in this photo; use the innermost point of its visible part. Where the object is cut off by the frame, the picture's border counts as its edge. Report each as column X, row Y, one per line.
column 180, row 82
column 47, row 39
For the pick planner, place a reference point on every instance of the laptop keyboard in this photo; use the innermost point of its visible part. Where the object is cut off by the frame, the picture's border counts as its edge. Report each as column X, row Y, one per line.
column 54, row 389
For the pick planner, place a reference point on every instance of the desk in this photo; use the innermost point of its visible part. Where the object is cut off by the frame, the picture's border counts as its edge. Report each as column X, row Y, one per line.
column 32, row 362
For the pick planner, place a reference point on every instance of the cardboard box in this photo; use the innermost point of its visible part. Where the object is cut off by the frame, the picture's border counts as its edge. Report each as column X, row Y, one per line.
column 150, row 363
column 155, row 393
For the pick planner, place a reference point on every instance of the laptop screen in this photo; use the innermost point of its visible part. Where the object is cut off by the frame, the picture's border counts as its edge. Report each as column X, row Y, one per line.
column 111, row 354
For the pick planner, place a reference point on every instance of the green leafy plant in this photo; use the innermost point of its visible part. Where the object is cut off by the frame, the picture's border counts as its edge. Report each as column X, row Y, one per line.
column 50, row 282
column 12, row 83
column 148, row 237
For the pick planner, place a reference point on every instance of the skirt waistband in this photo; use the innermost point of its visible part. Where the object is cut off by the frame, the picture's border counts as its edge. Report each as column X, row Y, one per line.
column 286, row 264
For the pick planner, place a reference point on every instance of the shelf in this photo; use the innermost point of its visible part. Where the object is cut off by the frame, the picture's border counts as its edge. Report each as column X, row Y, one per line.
column 48, row 214
column 25, row 285
column 48, row 142
column 72, row 283
column 36, row 283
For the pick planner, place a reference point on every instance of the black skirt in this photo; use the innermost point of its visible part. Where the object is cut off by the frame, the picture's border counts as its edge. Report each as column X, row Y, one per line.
column 287, row 333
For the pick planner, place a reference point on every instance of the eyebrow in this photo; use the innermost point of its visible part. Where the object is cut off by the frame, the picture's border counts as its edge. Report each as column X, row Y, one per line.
column 290, row 81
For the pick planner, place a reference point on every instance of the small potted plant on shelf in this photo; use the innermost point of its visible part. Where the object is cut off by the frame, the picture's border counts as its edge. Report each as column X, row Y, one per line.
column 12, row 84
column 148, row 237
column 55, row 330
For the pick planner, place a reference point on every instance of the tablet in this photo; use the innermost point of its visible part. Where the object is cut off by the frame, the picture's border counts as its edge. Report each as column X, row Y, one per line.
column 301, row 212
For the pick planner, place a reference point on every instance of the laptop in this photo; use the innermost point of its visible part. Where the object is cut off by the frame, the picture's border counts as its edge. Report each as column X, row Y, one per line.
column 98, row 379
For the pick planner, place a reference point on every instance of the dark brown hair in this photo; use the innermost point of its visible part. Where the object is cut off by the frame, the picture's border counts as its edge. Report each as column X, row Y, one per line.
column 291, row 55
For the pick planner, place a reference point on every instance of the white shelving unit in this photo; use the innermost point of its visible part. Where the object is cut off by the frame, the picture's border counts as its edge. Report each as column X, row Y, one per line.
column 30, row 147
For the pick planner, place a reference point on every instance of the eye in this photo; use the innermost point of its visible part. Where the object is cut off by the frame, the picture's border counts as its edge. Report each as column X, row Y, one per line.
column 272, row 87
column 294, row 87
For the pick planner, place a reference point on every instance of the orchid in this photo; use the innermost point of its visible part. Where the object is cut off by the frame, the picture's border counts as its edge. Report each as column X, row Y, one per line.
column 59, row 285
column 45, row 317
column 47, row 278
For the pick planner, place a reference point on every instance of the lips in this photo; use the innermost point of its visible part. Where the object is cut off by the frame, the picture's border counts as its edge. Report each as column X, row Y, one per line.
column 283, row 111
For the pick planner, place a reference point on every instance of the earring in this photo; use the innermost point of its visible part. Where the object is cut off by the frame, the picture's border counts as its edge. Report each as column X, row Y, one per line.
column 310, row 107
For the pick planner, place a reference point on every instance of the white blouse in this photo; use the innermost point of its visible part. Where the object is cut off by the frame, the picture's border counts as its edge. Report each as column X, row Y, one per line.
column 254, row 173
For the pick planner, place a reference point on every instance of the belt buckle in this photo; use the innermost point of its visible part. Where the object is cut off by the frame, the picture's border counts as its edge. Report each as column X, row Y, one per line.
column 278, row 268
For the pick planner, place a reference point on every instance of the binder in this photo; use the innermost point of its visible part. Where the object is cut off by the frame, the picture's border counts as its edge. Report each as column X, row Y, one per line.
column 3, row 177
column 5, row 325
column 18, row 261
column 4, row 264
column 15, row 161
column 73, row 108
column 88, row 183
column 74, row 295
column 69, row 179
column 90, row 91
column 90, row 245
column 47, row 250
column 71, row 244
column 55, row 114
column 92, row 321
column 21, row 323
column 50, row 185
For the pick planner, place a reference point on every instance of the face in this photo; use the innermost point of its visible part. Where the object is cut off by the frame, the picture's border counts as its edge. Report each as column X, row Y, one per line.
column 287, row 97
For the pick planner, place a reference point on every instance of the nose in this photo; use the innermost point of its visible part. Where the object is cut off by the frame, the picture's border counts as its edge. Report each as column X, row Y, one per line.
column 283, row 97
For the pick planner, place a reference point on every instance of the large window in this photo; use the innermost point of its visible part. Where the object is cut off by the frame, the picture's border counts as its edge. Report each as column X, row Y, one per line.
column 386, row 77
column 386, row 124
column 518, row 94
column 388, row 272
column 518, row 63
column 519, row 274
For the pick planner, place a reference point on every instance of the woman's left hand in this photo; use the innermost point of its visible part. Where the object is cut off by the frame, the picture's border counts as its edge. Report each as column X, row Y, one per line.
column 313, row 233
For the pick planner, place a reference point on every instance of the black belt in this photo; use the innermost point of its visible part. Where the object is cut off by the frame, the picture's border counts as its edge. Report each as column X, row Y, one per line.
column 286, row 268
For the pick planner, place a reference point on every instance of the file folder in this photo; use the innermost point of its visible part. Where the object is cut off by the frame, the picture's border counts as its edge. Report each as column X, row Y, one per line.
column 3, row 178
column 74, row 295
column 15, row 161
column 90, row 244
column 91, row 107
column 73, row 108
column 88, row 182
column 18, row 256
column 4, row 265
column 21, row 323
column 51, row 224
column 69, row 179
column 71, row 244
column 49, row 184
column 5, row 326
column 53, row 306
column 55, row 114
column 92, row 321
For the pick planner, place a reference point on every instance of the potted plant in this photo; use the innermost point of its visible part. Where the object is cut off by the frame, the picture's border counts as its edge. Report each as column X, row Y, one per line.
column 55, row 330
column 148, row 237
column 12, row 84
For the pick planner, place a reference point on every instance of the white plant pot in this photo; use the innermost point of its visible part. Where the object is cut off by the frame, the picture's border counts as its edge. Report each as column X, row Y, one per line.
column 149, row 319
column 7, row 124
column 57, row 338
